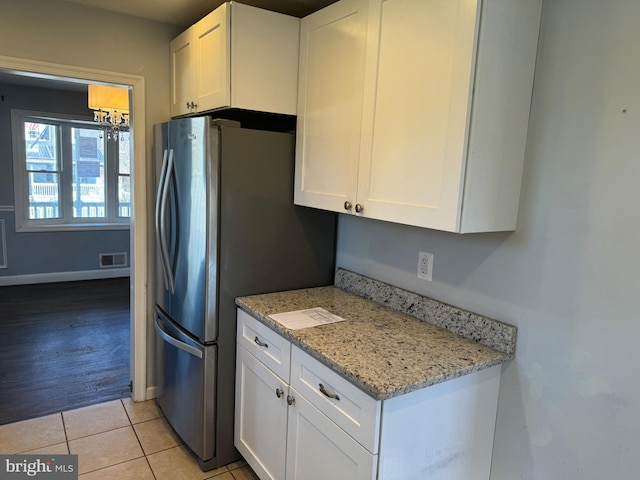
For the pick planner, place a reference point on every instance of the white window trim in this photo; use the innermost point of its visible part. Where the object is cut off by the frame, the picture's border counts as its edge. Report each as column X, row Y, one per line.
column 20, row 183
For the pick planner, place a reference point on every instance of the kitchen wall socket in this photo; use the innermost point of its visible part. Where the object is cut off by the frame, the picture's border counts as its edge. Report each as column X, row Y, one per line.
column 425, row 265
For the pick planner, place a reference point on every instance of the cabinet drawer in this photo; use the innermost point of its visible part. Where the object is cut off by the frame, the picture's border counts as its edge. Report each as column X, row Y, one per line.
column 351, row 409
column 266, row 345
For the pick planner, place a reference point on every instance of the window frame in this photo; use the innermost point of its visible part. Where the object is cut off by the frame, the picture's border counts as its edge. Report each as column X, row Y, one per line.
column 66, row 222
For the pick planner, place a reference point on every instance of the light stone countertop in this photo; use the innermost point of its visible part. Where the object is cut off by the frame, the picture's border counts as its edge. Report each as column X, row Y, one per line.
column 384, row 352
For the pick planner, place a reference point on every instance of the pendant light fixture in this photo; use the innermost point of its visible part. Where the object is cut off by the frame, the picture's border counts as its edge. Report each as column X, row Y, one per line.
column 110, row 107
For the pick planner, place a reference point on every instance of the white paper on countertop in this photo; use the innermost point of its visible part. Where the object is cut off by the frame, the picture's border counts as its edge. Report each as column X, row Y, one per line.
column 311, row 317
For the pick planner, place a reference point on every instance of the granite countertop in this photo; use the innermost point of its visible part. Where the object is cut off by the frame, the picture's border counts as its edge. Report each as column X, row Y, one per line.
column 383, row 351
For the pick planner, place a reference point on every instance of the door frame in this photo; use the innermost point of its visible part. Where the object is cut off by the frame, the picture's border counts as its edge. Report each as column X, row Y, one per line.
column 138, row 228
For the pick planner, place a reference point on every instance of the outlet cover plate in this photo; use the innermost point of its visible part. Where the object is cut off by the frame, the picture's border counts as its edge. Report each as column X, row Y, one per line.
column 425, row 266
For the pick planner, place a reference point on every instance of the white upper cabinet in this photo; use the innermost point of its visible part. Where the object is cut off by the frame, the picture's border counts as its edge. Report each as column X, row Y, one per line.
column 442, row 113
column 237, row 56
column 199, row 65
column 332, row 53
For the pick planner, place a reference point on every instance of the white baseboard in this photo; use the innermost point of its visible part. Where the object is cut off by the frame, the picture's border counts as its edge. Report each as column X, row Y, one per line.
column 64, row 276
column 151, row 392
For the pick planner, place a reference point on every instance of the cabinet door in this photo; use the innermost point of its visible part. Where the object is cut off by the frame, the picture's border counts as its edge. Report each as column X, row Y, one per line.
column 264, row 60
column 212, row 51
column 260, row 416
column 418, row 82
column 318, row 449
column 182, row 73
column 332, row 52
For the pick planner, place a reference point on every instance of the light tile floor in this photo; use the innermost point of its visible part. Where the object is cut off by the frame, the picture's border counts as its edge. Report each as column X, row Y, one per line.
column 118, row 439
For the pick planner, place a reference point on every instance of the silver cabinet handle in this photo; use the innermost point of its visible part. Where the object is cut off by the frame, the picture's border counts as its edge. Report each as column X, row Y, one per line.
column 347, row 205
column 279, row 393
column 327, row 392
column 290, row 400
column 260, row 343
column 359, row 208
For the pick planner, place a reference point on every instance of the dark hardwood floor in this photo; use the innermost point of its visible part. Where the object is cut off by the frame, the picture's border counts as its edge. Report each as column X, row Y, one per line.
column 62, row 346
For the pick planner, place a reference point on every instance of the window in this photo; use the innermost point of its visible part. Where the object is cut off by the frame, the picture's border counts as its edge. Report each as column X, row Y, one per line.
column 67, row 175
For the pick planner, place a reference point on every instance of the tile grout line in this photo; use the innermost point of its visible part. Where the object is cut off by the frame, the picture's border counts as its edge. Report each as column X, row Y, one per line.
column 110, row 430
column 112, row 465
column 144, row 453
column 64, row 430
column 102, row 431
column 64, row 417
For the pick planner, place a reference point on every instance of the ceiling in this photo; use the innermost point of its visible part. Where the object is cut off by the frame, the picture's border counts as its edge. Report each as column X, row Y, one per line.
column 27, row 79
column 186, row 12
column 183, row 13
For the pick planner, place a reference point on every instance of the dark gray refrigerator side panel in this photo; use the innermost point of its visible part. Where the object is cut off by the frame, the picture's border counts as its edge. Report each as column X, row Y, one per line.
column 267, row 244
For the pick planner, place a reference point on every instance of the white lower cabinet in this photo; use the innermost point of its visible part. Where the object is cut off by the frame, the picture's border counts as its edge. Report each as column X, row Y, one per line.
column 279, row 432
column 314, row 424
column 261, row 416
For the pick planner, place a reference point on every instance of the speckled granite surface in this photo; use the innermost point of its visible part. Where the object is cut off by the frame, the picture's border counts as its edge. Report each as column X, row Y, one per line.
column 383, row 351
column 489, row 332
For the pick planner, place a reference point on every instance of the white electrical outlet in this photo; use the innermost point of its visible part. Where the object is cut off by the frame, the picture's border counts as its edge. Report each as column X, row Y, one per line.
column 425, row 265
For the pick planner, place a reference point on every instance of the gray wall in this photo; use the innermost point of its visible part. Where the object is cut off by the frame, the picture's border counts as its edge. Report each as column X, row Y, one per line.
column 46, row 252
column 67, row 34
column 569, row 404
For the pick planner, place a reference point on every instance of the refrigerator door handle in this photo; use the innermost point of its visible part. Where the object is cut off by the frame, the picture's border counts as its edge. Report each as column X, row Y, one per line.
column 161, row 180
column 174, row 341
column 163, row 233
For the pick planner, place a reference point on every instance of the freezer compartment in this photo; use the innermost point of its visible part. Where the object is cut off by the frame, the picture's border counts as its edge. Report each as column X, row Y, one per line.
column 186, row 386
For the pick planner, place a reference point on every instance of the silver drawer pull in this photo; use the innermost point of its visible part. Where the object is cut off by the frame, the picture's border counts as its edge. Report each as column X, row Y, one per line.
column 290, row 400
column 327, row 392
column 260, row 343
column 279, row 393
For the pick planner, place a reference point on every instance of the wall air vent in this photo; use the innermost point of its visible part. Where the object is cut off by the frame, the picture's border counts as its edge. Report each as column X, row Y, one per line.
column 110, row 260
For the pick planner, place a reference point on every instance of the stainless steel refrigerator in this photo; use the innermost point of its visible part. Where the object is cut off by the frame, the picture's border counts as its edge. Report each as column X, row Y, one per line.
column 226, row 226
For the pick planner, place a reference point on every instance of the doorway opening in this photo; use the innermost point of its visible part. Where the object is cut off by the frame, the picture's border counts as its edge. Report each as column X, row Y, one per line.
column 31, row 72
